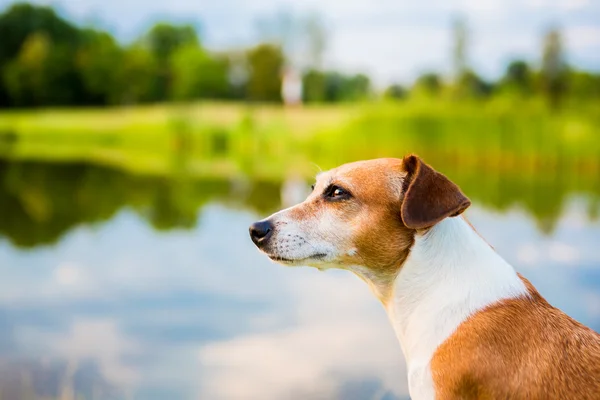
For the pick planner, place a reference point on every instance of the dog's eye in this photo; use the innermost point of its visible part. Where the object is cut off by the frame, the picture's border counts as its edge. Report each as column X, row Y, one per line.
column 312, row 187
column 336, row 192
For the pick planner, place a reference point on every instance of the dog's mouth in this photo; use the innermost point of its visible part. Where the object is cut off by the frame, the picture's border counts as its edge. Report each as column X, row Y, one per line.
column 285, row 260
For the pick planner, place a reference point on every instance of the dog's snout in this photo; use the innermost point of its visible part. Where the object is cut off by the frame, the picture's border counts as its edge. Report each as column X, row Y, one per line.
column 260, row 232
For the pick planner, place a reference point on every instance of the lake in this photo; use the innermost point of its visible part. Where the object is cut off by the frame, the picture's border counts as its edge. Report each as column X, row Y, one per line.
column 137, row 286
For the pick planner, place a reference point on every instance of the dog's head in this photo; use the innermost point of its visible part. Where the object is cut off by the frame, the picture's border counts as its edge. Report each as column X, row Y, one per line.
column 361, row 216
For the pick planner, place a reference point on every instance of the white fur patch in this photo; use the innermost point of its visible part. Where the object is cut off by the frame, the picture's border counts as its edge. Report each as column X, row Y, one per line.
column 302, row 240
column 450, row 274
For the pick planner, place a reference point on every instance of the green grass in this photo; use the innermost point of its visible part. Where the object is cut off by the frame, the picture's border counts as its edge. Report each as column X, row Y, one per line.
column 506, row 135
column 144, row 139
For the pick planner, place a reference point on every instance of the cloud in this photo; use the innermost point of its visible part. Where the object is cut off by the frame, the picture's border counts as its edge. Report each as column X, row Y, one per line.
column 565, row 5
column 583, row 38
column 528, row 254
column 69, row 275
column 563, row 253
column 532, row 254
column 573, row 4
column 340, row 335
column 317, row 358
column 393, row 52
column 87, row 339
column 478, row 7
column 593, row 304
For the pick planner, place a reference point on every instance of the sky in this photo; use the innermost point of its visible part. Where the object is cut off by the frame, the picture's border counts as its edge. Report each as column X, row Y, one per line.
column 390, row 40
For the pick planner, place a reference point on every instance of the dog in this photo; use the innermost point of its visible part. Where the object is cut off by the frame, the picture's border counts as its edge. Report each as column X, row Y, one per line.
column 470, row 327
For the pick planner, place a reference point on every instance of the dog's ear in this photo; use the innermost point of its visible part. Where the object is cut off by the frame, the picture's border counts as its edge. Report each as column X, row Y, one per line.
column 429, row 196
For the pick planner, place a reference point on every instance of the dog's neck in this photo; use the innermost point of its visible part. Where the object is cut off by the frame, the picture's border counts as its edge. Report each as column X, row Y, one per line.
column 451, row 273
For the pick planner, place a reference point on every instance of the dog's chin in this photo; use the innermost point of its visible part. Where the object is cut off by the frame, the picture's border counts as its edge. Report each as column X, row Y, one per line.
column 312, row 260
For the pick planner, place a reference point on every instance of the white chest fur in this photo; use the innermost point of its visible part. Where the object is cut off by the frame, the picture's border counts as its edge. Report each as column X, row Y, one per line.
column 450, row 273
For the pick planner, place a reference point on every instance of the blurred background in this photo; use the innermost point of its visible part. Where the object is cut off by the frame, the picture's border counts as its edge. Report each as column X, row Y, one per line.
column 139, row 139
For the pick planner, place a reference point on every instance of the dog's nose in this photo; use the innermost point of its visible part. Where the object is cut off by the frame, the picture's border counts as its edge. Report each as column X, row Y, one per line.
column 260, row 232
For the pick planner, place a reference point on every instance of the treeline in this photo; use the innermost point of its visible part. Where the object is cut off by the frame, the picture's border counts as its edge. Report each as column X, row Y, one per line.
column 549, row 77
column 520, row 80
column 45, row 60
column 48, row 61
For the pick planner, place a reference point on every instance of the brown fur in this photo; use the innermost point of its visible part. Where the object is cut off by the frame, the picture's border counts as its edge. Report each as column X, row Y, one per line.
column 430, row 196
column 519, row 349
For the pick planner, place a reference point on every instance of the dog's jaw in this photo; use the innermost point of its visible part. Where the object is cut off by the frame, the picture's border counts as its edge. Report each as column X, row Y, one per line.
column 314, row 260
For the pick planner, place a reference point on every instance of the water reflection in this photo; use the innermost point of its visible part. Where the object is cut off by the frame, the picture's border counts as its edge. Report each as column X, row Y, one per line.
column 101, row 298
column 43, row 201
column 30, row 379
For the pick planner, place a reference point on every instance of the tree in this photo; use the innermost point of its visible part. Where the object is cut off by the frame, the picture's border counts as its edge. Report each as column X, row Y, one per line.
column 302, row 38
column 21, row 23
column 136, row 76
column 316, row 38
column 553, row 67
column 459, row 51
column 357, row 87
column 518, row 77
column 98, row 62
column 335, row 87
column 266, row 63
column 471, row 85
column 238, row 73
column 26, row 78
column 281, row 29
column 313, row 83
column 23, row 19
column 197, row 74
column 163, row 40
column 395, row 91
column 584, row 85
column 429, row 84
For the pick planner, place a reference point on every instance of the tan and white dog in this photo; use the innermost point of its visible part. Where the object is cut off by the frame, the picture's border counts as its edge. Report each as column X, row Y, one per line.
column 470, row 327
